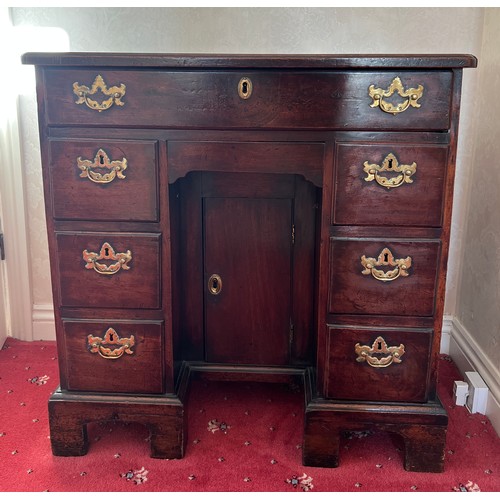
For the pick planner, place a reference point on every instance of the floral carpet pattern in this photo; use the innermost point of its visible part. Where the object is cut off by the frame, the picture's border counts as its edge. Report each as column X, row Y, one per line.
column 241, row 437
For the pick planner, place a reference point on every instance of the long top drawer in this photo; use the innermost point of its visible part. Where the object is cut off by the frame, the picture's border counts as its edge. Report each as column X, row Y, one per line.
column 249, row 99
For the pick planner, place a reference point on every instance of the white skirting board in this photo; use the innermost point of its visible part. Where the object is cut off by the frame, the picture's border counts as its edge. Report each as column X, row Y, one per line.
column 44, row 327
column 458, row 343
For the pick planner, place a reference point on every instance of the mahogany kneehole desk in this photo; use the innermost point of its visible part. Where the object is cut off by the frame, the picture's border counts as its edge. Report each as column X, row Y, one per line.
column 281, row 218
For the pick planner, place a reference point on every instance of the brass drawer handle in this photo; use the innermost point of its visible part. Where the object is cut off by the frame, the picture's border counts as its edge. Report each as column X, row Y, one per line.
column 412, row 95
column 215, row 284
column 389, row 164
column 101, row 160
column 107, row 253
column 385, row 259
column 115, row 94
column 379, row 346
column 111, row 346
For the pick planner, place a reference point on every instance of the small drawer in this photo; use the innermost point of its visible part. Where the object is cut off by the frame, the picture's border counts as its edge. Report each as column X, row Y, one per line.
column 378, row 365
column 114, row 356
column 104, row 180
column 389, row 184
column 102, row 270
column 250, row 99
column 383, row 277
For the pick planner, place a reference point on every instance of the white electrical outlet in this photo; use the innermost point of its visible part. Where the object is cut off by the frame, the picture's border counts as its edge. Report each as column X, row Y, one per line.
column 461, row 391
column 478, row 393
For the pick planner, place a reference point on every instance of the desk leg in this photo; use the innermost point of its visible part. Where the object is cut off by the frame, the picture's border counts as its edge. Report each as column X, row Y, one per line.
column 69, row 414
column 422, row 427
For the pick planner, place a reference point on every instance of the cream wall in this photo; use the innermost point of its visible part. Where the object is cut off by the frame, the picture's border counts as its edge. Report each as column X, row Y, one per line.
column 478, row 299
column 253, row 30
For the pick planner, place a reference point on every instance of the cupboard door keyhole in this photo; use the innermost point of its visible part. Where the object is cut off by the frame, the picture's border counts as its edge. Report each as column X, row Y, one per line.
column 214, row 284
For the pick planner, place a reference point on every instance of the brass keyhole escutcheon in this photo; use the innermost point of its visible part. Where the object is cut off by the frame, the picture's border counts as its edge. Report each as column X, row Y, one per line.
column 245, row 88
column 214, row 284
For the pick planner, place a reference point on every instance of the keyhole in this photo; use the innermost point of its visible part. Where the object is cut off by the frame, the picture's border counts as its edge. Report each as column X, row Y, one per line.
column 111, row 337
column 386, row 258
column 245, row 88
column 106, row 252
column 101, row 160
column 379, row 346
column 214, row 284
column 390, row 163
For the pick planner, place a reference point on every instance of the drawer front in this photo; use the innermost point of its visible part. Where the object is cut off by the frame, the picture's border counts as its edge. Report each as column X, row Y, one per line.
column 378, row 365
column 383, row 277
column 118, row 270
column 256, row 157
column 389, row 184
column 100, row 179
column 250, row 99
column 109, row 356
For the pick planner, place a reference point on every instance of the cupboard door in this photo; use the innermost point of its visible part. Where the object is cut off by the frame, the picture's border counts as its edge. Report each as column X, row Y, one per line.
column 247, row 273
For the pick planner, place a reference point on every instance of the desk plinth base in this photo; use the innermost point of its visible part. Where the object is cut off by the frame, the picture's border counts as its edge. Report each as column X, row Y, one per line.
column 69, row 414
column 422, row 427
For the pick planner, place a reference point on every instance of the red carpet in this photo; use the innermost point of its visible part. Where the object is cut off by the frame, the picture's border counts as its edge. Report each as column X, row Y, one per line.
column 241, row 438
